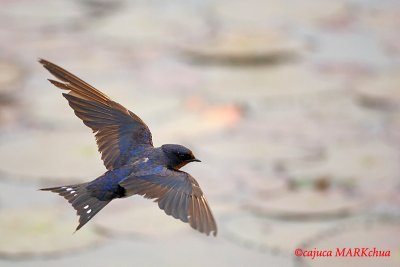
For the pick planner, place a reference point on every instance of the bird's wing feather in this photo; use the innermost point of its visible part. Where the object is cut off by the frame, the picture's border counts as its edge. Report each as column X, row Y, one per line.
column 177, row 193
column 118, row 131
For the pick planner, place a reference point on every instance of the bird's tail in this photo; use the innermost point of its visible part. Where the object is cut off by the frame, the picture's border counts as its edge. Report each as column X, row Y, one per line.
column 83, row 202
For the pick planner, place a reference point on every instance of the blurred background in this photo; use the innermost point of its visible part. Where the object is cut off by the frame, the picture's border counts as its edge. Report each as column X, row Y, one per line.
column 292, row 106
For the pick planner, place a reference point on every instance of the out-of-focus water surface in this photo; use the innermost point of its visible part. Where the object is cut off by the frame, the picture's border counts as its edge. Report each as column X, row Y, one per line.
column 292, row 106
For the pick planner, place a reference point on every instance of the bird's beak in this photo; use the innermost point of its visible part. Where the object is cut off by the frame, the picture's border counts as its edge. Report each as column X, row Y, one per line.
column 196, row 160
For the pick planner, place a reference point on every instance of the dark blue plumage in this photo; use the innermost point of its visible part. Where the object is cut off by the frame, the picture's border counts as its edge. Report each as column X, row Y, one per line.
column 134, row 165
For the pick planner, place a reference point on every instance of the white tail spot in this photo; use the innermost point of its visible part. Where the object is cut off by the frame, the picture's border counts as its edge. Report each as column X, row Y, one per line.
column 89, row 211
column 75, row 195
column 68, row 189
column 72, row 191
column 87, row 206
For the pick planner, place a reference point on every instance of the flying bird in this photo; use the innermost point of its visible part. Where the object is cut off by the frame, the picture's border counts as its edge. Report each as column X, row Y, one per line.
column 134, row 165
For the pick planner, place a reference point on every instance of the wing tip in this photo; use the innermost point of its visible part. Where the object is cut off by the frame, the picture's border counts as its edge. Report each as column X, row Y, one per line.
column 42, row 61
column 48, row 65
column 214, row 232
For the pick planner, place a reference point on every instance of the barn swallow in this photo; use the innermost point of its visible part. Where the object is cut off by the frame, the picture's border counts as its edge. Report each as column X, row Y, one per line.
column 134, row 165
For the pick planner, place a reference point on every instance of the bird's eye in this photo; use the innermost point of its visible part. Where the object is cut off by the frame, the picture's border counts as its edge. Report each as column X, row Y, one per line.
column 182, row 156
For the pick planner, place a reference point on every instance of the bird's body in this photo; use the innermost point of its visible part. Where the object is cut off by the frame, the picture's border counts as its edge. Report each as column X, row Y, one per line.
column 134, row 165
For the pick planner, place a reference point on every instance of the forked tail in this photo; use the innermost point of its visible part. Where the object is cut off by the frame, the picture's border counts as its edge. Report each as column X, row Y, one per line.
column 86, row 205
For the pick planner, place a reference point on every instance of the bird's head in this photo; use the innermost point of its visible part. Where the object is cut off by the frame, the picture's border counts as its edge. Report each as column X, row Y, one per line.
column 178, row 155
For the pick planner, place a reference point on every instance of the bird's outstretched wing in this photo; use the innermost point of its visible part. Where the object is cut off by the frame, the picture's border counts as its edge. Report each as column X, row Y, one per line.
column 119, row 132
column 177, row 193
